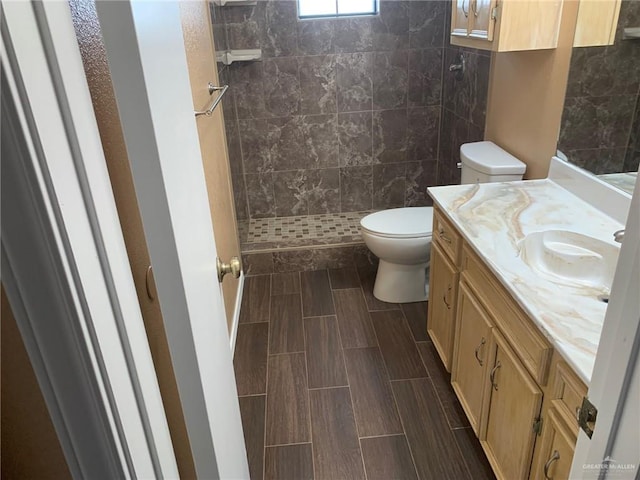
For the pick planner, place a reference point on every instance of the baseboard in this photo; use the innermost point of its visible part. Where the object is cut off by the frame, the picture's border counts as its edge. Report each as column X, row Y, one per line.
column 233, row 334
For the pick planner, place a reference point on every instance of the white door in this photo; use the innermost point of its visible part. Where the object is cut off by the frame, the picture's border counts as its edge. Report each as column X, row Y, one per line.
column 146, row 54
column 614, row 449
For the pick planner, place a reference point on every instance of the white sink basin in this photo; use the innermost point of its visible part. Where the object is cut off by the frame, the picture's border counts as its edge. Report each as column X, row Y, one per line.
column 571, row 258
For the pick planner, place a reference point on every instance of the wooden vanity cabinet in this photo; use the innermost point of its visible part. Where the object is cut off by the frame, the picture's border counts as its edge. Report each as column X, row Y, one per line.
column 557, row 445
column 597, row 22
column 514, row 406
column 472, row 354
column 506, row 25
column 443, row 287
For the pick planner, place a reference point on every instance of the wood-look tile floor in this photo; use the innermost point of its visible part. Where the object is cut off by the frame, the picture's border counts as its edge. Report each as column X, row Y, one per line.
column 335, row 384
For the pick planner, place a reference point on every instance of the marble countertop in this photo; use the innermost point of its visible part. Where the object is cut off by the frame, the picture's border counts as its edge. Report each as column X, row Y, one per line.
column 494, row 218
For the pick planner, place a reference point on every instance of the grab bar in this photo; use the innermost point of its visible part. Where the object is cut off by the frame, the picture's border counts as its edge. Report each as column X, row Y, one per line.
column 214, row 104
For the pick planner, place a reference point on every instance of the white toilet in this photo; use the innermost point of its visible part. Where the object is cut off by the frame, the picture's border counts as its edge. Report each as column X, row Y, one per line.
column 401, row 237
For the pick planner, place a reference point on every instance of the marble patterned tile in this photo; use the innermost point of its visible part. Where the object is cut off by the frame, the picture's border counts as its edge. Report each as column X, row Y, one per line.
column 323, row 193
column 390, row 136
column 356, row 188
column 233, row 146
column 255, row 139
column 363, row 258
column 599, row 160
column 445, row 151
column 282, row 92
column 425, row 77
column 390, row 79
column 391, row 26
column 355, row 138
column 596, row 122
column 257, row 263
column 420, row 175
column 427, row 25
column 287, row 141
column 336, row 257
column 293, row 261
column 240, row 196
column 290, row 190
column 317, row 84
column 279, row 31
column 247, row 89
column 353, row 34
column 316, row 37
column 260, row 195
column 423, row 133
column 478, row 100
column 218, row 27
column 389, row 185
column 320, row 148
column 355, row 89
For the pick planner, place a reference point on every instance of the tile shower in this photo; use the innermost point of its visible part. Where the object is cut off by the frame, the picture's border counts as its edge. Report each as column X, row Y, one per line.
column 340, row 118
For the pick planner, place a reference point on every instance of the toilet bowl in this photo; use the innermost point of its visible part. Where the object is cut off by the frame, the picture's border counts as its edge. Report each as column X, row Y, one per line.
column 401, row 239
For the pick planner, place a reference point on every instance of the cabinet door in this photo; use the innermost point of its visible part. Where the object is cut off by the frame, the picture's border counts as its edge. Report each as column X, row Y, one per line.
column 514, row 406
column 556, row 450
column 460, row 18
column 481, row 19
column 471, row 354
column 443, row 290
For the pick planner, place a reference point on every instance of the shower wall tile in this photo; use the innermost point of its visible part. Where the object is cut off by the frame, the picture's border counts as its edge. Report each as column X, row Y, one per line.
column 425, row 77
column 343, row 114
column 317, row 84
column 390, row 71
column 389, row 185
column 281, row 86
column 427, row 24
column 355, row 138
column 260, row 195
column 355, row 85
column 391, row 26
column 356, row 189
column 390, row 129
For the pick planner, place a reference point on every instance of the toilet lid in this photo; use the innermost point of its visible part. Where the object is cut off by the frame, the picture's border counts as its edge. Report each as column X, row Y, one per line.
column 400, row 222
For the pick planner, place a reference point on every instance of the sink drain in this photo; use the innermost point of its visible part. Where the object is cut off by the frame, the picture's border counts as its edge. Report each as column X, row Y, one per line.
column 603, row 298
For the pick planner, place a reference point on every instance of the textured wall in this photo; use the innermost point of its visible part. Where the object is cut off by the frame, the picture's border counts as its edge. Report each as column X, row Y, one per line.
column 601, row 119
column 342, row 114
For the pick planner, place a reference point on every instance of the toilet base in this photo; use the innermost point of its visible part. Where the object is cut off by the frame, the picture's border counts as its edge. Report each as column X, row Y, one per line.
column 397, row 283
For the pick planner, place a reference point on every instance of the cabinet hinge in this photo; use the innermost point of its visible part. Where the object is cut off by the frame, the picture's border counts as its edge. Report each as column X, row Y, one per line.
column 537, row 426
column 494, row 13
column 587, row 416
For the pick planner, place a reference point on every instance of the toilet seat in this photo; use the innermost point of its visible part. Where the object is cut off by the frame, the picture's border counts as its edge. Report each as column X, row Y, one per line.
column 407, row 222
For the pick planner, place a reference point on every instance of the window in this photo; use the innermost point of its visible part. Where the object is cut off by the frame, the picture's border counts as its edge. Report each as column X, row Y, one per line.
column 336, row 8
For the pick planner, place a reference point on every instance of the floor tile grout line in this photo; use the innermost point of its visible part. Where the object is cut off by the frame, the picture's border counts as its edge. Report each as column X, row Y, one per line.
column 384, row 436
column 331, row 387
column 306, row 364
column 287, row 444
column 266, row 396
column 404, row 429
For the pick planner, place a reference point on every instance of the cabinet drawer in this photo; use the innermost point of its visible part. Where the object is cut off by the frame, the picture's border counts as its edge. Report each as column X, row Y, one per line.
column 568, row 390
column 445, row 235
column 531, row 346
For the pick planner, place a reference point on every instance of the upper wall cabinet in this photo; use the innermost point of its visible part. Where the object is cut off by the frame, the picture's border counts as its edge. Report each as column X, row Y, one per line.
column 507, row 25
column 596, row 25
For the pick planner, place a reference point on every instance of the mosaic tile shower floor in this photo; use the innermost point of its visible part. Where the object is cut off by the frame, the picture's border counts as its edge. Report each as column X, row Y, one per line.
column 279, row 232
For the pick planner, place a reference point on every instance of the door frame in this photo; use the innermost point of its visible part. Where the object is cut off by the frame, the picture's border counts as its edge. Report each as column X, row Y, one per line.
column 116, row 403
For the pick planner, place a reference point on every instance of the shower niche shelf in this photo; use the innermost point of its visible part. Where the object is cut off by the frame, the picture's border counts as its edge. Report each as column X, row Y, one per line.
column 227, row 57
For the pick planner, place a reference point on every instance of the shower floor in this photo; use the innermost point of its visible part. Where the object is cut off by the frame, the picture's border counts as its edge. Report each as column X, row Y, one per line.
column 260, row 234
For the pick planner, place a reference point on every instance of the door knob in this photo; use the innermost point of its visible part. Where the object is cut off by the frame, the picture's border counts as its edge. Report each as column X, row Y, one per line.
column 234, row 266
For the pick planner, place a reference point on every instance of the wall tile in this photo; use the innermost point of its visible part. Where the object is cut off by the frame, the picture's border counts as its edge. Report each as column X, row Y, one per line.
column 315, row 37
column 257, row 263
column 287, row 143
column 420, row 175
column 599, row 160
column 427, row 23
column 355, row 138
column 255, row 139
column 356, row 188
column 425, row 77
column 260, row 195
column 282, row 92
column 293, row 261
column 233, row 147
column 478, row 101
column 390, row 72
column 389, row 185
column 423, row 133
column 390, row 136
column 391, row 26
column 320, row 149
column 247, row 88
column 279, row 30
column 240, row 196
column 323, row 193
column 353, row 34
column 355, row 89
column 318, row 84
column 290, row 189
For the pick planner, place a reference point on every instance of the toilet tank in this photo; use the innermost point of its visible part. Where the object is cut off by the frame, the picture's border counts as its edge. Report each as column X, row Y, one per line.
column 484, row 162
